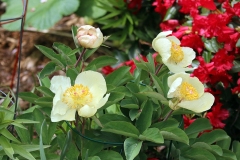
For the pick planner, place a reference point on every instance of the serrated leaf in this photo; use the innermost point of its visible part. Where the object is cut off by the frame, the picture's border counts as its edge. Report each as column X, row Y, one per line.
column 132, row 148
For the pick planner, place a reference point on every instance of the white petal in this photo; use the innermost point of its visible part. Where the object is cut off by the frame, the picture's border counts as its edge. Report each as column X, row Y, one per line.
column 173, row 77
column 202, row 104
column 164, row 34
column 87, row 111
column 92, row 79
column 61, row 111
column 102, row 101
column 60, row 82
column 175, row 68
column 174, row 87
column 57, row 96
column 163, row 46
column 174, row 39
column 189, row 55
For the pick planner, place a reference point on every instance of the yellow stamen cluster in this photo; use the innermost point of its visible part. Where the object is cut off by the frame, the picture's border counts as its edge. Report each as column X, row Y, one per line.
column 77, row 96
column 188, row 92
column 176, row 53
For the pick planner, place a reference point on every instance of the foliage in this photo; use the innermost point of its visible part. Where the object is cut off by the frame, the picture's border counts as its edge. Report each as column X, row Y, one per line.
column 143, row 117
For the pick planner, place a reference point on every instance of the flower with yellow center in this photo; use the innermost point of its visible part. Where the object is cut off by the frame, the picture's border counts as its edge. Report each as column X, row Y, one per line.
column 188, row 92
column 175, row 57
column 84, row 97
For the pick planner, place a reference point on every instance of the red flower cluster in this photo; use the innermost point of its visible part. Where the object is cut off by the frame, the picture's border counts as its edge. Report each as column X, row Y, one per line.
column 108, row 69
column 134, row 5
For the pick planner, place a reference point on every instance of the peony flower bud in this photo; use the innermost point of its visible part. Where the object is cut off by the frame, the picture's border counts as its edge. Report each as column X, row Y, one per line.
column 89, row 37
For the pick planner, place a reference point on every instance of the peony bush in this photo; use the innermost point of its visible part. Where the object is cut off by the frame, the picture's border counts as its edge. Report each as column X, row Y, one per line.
column 166, row 87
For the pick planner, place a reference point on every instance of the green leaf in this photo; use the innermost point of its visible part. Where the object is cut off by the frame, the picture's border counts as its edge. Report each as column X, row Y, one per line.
column 212, row 148
column 236, row 148
column 8, row 135
column 50, row 68
column 171, row 12
column 7, row 147
column 238, row 43
column 42, row 153
column 228, row 155
column 152, row 135
column 113, row 99
column 119, row 76
column 132, row 148
column 213, row 136
column 175, row 134
column 198, row 154
column 145, row 119
column 207, row 56
column 92, row 11
column 122, row 128
column 45, row 91
column 72, row 74
column 224, row 144
column 48, row 52
column 39, row 116
column 200, row 124
column 44, row 101
column 109, row 155
column 22, row 152
column 154, row 95
column 112, row 117
column 129, row 103
column 39, row 15
column 23, row 134
column 28, row 96
column 101, row 62
column 164, row 124
column 211, row 45
column 158, row 83
column 66, row 145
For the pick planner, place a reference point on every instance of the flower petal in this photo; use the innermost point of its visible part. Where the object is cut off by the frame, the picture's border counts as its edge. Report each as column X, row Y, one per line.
column 102, row 101
column 189, row 55
column 93, row 80
column 174, row 39
column 204, row 103
column 174, row 87
column 87, row 111
column 61, row 111
column 60, row 82
column 163, row 46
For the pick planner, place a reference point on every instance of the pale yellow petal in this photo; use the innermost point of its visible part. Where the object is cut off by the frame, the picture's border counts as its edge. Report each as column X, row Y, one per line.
column 61, row 111
column 87, row 111
column 176, row 83
column 60, row 82
column 163, row 47
column 93, row 80
column 189, row 55
column 174, row 39
column 202, row 104
column 102, row 101
column 175, row 68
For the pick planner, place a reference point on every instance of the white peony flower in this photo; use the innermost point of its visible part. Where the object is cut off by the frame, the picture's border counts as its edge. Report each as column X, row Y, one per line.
column 89, row 37
column 176, row 58
column 188, row 92
column 85, row 97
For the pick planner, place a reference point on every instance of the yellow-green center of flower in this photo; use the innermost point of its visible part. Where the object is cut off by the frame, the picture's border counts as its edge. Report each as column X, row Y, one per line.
column 77, row 96
column 176, row 53
column 188, row 92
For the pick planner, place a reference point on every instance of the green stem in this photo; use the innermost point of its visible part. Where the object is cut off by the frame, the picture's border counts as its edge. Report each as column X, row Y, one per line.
column 80, row 57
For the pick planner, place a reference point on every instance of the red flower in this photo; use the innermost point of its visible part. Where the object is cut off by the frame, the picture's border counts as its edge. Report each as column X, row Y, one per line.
column 217, row 115
column 235, row 10
column 222, row 61
column 204, row 70
column 182, row 31
column 193, row 41
column 187, row 121
column 134, row 4
column 190, row 5
column 152, row 159
column 170, row 24
column 162, row 6
column 107, row 70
